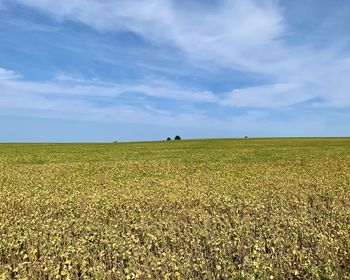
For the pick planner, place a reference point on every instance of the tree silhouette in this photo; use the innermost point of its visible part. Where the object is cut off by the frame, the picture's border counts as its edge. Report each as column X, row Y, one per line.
column 177, row 137
column 168, row 139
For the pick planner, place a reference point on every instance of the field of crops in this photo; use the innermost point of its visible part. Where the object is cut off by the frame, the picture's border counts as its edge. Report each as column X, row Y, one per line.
column 204, row 209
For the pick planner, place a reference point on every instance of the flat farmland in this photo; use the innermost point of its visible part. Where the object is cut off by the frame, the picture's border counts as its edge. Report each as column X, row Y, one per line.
column 194, row 209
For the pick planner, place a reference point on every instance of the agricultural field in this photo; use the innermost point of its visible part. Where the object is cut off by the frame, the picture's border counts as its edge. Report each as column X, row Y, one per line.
column 196, row 209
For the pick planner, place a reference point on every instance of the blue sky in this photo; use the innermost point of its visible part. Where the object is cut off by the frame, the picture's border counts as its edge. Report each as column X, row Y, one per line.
column 92, row 70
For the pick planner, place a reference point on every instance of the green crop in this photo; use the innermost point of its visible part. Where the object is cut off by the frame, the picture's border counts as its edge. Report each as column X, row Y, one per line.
column 205, row 209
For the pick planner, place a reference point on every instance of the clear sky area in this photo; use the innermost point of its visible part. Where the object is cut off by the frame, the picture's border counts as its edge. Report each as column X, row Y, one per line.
column 129, row 70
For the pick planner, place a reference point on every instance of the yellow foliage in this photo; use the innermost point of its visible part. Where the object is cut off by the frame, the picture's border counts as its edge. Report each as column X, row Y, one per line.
column 210, row 209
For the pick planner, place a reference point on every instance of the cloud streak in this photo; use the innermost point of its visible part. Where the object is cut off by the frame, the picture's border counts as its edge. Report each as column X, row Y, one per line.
column 245, row 35
column 70, row 98
column 233, row 32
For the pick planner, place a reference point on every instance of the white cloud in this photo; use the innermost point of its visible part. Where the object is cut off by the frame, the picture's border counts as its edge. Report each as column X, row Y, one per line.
column 60, row 100
column 7, row 74
column 245, row 35
column 269, row 96
column 66, row 86
column 70, row 98
column 29, row 26
column 234, row 32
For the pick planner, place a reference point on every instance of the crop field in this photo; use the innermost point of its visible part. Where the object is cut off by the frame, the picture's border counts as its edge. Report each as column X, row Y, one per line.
column 196, row 209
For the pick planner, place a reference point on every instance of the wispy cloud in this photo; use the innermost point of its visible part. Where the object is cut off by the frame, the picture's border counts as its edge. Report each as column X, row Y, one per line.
column 81, row 99
column 246, row 35
column 75, row 98
column 233, row 32
column 8, row 75
column 62, row 98
column 269, row 96
column 30, row 26
column 74, row 87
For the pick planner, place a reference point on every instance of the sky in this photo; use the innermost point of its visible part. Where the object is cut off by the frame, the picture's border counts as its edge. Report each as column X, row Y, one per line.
column 133, row 70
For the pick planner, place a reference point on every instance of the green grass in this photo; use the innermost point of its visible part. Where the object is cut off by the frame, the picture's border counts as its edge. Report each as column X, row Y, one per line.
column 201, row 209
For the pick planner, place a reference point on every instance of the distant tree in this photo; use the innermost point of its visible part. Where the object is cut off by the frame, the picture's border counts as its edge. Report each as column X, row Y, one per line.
column 168, row 139
column 245, row 137
column 115, row 141
column 177, row 137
